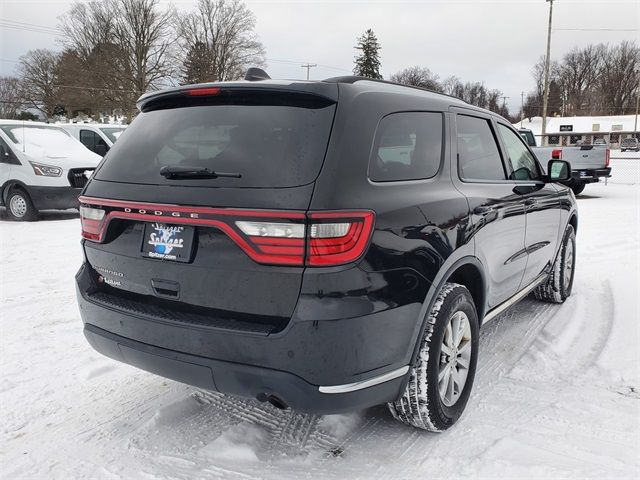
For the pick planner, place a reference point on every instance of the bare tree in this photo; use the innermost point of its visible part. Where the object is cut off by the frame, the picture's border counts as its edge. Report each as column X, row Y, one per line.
column 123, row 47
column 618, row 79
column 143, row 35
column 450, row 84
column 9, row 97
column 593, row 80
column 579, row 73
column 38, row 80
column 224, row 29
column 87, row 25
column 418, row 77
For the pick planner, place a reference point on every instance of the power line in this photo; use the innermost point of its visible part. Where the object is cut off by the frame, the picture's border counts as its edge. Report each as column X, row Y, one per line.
column 29, row 29
column 4, row 20
column 596, row 30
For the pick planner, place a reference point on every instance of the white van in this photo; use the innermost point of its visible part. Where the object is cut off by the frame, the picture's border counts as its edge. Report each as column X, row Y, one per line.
column 41, row 167
column 97, row 137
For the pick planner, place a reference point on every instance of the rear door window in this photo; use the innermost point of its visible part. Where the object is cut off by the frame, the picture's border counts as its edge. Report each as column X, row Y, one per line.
column 478, row 153
column 270, row 145
column 407, row 146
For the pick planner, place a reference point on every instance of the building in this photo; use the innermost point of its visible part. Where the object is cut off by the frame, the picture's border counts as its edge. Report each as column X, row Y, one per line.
column 571, row 130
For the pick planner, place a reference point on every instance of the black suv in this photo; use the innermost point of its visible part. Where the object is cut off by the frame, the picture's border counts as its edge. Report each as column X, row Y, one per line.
column 324, row 246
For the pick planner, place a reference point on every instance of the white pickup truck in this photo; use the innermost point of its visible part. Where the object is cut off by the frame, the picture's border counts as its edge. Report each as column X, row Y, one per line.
column 589, row 163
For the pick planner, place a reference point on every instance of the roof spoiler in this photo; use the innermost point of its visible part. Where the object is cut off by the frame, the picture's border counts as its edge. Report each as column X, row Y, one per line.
column 255, row 74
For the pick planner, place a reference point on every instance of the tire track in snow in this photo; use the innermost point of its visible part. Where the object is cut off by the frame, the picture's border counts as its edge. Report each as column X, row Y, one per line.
column 503, row 342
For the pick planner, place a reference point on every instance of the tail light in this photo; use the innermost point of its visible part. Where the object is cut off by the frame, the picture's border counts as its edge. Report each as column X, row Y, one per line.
column 607, row 158
column 330, row 238
column 556, row 154
column 336, row 238
column 269, row 237
column 92, row 220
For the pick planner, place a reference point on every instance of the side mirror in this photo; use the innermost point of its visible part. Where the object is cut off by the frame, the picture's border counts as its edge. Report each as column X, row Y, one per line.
column 558, row 171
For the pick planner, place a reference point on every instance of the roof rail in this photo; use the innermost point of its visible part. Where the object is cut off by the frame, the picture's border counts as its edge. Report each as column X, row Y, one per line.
column 357, row 78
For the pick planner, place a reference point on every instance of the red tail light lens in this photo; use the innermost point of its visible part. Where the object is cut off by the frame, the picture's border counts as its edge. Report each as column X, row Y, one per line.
column 607, row 158
column 336, row 238
column 92, row 220
column 270, row 237
column 274, row 243
column 556, row 154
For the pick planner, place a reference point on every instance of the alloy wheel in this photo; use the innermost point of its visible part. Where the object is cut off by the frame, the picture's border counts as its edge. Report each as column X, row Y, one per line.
column 568, row 263
column 455, row 358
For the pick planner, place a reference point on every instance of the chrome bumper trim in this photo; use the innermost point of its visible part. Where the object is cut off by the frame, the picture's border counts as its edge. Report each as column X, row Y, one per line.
column 352, row 387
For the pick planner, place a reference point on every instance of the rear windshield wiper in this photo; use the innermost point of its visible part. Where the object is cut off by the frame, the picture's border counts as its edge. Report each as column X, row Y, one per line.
column 177, row 172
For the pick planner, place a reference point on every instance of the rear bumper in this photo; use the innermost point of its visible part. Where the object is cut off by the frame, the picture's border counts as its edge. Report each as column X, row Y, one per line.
column 238, row 379
column 590, row 175
column 55, row 198
column 327, row 366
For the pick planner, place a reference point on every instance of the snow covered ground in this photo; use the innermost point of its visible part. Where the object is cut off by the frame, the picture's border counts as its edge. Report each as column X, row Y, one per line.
column 557, row 393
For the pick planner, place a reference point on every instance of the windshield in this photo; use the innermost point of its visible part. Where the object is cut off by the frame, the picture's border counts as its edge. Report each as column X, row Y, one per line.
column 53, row 142
column 268, row 145
column 112, row 133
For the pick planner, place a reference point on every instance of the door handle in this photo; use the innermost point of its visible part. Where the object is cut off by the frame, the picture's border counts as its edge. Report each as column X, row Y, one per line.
column 482, row 210
column 530, row 202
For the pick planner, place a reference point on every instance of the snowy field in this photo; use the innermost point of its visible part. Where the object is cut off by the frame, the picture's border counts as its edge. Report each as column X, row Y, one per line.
column 557, row 392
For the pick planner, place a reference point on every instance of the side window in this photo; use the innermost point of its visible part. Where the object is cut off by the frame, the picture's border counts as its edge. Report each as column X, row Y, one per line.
column 88, row 139
column 478, row 153
column 524, row 164
column 407, row 146
column 6, row 154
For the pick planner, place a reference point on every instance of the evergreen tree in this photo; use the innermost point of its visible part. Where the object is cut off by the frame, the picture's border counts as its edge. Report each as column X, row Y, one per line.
column 196, row 67
column 367, row 63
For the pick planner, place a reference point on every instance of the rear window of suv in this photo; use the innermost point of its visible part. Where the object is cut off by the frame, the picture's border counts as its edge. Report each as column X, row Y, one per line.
column 270, row 143
column 407, row 146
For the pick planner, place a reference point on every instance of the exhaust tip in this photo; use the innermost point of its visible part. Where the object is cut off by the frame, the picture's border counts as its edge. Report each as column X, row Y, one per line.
column 273, row 400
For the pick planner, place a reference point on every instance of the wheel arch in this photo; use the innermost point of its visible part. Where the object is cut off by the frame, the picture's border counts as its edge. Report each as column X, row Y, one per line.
column 467, row 271
column 8, row 185
column 573, row 221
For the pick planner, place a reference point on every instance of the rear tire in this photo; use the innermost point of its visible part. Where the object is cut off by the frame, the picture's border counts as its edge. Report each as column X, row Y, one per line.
column 20, row 207
column 558, row 286
column 578, row 189
column 442, row 378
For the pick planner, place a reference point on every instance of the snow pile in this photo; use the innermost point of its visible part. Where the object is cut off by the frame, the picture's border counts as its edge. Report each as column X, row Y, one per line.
column 556, row 393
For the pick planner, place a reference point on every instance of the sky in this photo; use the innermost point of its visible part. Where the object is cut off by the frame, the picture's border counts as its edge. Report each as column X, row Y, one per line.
column 492, row 41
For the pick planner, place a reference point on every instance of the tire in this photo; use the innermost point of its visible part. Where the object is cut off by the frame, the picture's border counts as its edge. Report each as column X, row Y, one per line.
column 578, row 189
column 20, row 207
column 558, row 286
column 422, row 405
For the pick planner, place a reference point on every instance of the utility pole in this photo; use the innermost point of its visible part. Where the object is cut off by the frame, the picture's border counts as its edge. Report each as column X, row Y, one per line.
column 309, row 66
column 504, row 103
column 635, row 125
column 521, row 108
column 547, row 62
